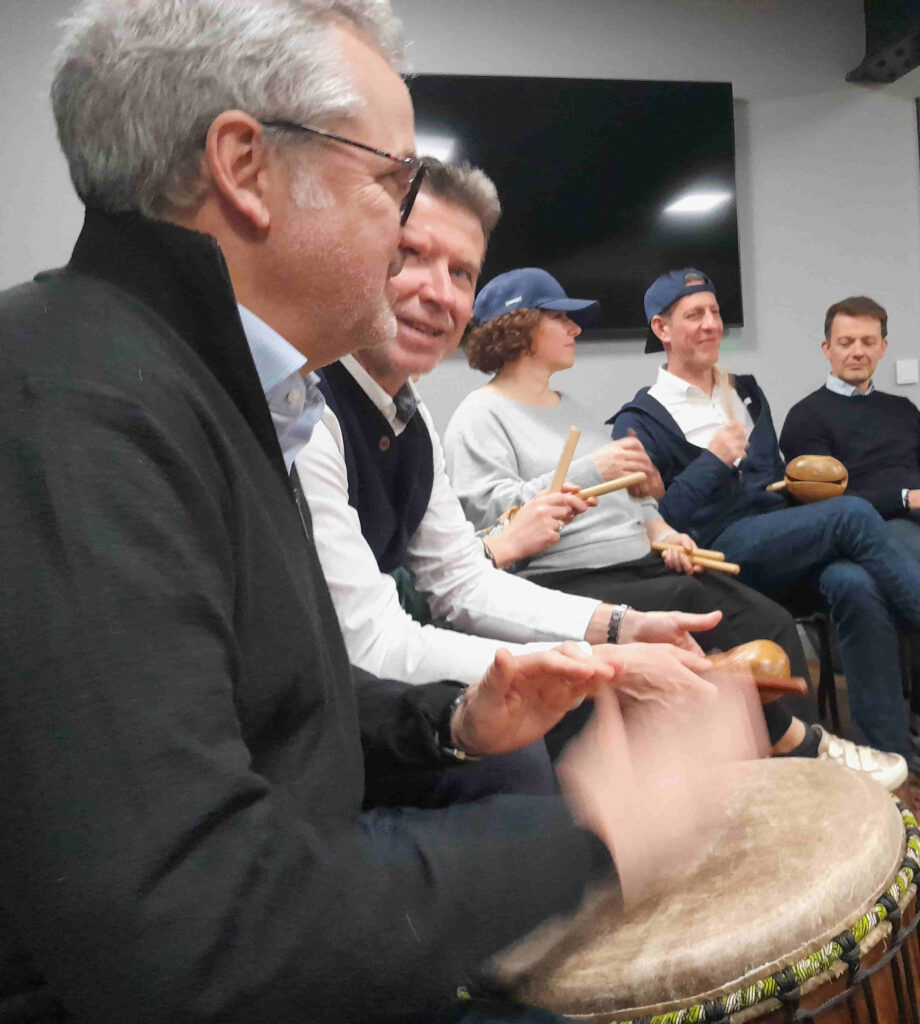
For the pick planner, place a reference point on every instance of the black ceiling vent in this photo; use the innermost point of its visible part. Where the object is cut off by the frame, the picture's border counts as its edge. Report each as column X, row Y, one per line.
column 892, row 41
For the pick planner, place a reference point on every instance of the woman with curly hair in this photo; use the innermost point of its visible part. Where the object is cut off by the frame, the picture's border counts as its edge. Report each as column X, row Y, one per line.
column 502, row 447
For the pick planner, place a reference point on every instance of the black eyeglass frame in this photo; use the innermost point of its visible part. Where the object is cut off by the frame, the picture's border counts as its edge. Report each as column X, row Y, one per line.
column 413, row 164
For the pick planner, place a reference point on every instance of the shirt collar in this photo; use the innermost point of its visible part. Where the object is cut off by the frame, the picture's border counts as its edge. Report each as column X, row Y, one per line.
column 676, row 387
column 840, row 387
column 275, row 358
column 294, row 398
column 376, row 393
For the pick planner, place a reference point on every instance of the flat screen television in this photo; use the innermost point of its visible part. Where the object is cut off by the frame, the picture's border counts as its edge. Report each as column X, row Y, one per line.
column 589, row 171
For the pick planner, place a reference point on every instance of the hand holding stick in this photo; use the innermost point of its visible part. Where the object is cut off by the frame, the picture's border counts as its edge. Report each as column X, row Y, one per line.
column 702, row 557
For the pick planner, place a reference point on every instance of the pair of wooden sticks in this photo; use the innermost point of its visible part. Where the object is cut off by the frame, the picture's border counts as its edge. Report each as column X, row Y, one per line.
column 562, row 468
column 701, row 556
column 565, row 460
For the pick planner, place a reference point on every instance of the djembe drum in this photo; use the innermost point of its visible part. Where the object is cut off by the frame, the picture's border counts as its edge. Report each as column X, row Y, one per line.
column 797, row 910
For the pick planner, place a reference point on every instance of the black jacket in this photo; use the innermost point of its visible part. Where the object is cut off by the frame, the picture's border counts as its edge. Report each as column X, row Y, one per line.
column 181, row 767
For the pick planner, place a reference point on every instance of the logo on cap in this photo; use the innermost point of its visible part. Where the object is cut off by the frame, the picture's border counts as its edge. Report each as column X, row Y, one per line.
column 511, row 302
column 693, row 279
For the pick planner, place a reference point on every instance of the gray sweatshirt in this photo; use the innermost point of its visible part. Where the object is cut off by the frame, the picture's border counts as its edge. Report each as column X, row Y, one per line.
column 501, row 452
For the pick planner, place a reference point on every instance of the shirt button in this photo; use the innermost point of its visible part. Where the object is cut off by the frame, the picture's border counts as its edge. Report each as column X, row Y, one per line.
column 384, row 443
column 293, row 397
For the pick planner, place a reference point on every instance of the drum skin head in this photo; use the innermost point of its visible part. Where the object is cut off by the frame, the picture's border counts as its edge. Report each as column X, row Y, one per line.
column 803, row 850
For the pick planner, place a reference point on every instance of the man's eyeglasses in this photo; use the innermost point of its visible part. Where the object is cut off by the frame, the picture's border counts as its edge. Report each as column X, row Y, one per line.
column 414, row 169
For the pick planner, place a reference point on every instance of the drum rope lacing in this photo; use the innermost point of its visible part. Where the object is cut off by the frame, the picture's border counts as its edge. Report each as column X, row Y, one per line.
column 843, row 948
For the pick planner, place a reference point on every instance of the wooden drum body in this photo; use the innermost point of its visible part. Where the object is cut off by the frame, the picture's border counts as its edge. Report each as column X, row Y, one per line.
column 812, row 478
column 803, row 884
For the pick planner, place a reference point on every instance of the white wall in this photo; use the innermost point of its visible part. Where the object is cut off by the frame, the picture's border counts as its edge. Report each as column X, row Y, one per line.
column 827, row 173
column 39, row 214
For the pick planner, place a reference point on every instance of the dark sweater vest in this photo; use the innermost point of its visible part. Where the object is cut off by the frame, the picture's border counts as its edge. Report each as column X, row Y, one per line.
column 389, row 477
column 876, row 436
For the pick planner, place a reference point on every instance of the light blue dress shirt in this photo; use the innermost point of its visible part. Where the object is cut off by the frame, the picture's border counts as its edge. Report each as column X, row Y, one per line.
column 294, row 399
column 840, row 387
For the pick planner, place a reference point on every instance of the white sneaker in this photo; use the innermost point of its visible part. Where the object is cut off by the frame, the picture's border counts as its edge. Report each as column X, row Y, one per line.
column 890, row 770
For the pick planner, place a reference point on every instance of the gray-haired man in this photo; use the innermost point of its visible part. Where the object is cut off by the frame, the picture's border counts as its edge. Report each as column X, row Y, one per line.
column 182, row 772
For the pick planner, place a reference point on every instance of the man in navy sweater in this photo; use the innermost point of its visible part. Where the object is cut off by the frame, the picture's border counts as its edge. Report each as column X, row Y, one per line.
column 711, row 436
column 874, row 434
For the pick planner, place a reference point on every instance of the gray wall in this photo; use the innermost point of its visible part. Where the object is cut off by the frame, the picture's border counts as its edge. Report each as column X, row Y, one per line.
column 827, row 173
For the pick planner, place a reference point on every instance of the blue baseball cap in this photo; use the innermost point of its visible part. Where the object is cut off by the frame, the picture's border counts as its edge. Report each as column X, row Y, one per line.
column 665, row 291
column 530, row 288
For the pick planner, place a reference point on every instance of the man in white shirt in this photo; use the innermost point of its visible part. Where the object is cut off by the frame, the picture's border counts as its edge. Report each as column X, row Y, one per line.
column 711, row 436
column 443, row 245
column 364, row 530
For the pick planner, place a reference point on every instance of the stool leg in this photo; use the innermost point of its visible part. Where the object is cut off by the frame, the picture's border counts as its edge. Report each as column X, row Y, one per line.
column 827, row 684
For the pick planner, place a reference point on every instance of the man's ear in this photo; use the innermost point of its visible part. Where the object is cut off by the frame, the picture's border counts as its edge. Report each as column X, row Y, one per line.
column 236, row 157
column 660, row 328
column 826, row 347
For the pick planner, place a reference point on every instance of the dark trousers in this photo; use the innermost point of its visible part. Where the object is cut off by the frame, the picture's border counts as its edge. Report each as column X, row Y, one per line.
column 906, row 531
column 528, row 771
column 648, row 585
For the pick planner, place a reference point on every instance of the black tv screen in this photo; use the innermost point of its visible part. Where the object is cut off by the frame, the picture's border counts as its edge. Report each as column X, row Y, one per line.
column 586, row 170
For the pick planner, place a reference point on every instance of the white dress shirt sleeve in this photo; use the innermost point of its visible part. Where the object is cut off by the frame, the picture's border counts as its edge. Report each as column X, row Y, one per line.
column 462, row 586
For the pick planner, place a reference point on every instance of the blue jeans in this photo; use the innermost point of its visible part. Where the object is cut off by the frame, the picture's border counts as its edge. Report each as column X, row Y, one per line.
column 844, row 548
column 906, row 530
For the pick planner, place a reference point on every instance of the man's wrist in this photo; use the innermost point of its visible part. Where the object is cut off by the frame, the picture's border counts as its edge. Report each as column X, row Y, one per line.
column 488, row 549
column 446, row 735
column 616, row 622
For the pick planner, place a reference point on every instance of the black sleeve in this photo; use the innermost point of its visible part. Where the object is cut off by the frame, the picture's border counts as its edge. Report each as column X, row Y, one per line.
column 151, row 873
column 399, row 721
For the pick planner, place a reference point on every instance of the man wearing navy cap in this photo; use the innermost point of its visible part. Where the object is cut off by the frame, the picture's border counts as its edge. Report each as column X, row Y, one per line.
column 712, row 438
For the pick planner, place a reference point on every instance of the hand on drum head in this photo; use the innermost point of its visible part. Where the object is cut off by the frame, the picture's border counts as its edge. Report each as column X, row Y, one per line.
column 660, row 674
column 643, row 781
column 521, row 697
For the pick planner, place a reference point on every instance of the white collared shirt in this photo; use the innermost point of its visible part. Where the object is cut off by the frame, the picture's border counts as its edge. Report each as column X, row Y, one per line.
column 840, row 387
column 445, row 555
column 701, row 416
column 381, row 398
